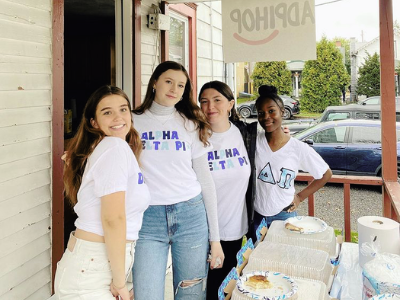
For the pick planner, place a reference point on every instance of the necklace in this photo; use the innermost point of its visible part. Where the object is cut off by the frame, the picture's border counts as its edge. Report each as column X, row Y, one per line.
column 279, row 145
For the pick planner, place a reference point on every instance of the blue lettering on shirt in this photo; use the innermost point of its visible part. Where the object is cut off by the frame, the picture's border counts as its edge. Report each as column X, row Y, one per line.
column 140, row 178
column 287, row 177
column 266, row 175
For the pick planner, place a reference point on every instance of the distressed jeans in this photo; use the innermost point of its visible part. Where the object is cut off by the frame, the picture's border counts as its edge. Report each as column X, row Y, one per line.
column 183, row 227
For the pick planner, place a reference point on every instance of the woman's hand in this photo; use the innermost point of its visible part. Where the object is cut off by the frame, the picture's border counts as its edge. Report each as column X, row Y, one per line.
column 123, row 292
column 295, row 203
column 216, row 259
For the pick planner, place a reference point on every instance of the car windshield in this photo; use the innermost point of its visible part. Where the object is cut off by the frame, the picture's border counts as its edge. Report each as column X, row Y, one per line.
column 304, row 132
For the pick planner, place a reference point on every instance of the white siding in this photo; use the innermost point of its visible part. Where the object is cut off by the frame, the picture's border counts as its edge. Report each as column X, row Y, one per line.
column 25, row 149
column 210, row 61
column 151, row 45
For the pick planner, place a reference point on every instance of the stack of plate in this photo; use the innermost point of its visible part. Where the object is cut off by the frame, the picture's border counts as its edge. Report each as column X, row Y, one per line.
column 320, row 238
column 290, row 260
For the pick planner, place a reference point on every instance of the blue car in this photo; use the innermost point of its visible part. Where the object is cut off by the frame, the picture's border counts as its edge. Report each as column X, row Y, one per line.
column 349, row 147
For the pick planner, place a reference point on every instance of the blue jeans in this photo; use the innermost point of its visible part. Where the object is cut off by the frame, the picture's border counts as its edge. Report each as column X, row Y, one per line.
column 183, row 227
column 283, row 215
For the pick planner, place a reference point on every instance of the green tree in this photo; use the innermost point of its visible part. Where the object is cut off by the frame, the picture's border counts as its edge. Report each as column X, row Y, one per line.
column 324, row 78
column 274, row 73
column 369, row 76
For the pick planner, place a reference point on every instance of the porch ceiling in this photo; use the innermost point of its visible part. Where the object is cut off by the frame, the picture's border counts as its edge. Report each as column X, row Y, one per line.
column 104, row 8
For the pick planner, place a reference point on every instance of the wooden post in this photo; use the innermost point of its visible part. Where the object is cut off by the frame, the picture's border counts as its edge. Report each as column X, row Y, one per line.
column 57, row 219
column 347, row 222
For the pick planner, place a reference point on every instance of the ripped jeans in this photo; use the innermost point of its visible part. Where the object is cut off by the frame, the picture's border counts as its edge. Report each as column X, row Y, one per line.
column 183, row 227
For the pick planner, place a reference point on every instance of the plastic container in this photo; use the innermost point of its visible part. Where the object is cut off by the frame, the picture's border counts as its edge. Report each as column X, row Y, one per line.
column 293, row 261
column 325, row 241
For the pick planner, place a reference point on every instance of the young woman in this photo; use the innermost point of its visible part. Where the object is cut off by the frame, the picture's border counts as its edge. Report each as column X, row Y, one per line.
column 104, row 183
column 278, row 159
column 230, row 167
column 175, row 134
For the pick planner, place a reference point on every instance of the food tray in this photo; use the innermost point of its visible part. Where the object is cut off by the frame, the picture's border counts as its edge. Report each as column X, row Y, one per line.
column 293, row 261
column 307, row 290
column 325, row 241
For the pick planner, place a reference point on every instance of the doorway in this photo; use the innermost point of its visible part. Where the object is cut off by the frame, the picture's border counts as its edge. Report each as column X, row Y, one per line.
column 90, row 62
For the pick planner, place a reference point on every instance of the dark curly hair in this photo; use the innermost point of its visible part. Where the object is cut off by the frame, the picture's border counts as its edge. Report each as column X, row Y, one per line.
column 269, row 92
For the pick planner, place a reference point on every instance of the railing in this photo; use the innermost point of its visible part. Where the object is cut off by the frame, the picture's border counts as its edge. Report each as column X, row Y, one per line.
column 390, row 201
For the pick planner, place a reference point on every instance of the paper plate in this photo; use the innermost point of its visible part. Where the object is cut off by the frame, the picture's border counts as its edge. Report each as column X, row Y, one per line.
column 282, row 286
column 386, row 296
column 309, row 224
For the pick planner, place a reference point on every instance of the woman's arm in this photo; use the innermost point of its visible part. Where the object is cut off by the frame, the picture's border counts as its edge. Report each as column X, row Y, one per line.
column 204, row 176
column 113, row 219
column 310, row 189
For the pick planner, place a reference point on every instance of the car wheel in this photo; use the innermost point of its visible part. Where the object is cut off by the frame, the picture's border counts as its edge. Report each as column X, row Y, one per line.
column 245, row 112
column 287, row 114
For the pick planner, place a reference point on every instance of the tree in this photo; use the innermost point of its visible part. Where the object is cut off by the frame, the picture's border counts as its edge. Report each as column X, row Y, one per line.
column 274, row 73
column 369, row 76
column 323, row 79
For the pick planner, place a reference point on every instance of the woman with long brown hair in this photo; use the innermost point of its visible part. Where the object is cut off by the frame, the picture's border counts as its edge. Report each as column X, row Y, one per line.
column 105, row 185
column 182, row 215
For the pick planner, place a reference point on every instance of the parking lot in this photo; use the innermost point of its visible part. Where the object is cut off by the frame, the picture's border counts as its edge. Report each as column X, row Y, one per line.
column 365, row 201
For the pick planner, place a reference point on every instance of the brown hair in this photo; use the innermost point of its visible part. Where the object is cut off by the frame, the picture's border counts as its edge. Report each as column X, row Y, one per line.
column 226, row 91
column 87, row 138
column 186, row 107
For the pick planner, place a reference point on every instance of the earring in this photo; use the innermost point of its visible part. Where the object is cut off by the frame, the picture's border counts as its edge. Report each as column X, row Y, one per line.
column 181, row 98
column 230, row 114
column 154, row 90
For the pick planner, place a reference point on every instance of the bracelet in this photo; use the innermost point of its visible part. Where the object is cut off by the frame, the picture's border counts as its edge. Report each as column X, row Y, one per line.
column 117, row 288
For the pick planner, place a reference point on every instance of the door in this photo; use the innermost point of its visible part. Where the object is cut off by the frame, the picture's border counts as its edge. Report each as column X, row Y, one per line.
column 364, row 150
column 331, row 144
column 179, row 39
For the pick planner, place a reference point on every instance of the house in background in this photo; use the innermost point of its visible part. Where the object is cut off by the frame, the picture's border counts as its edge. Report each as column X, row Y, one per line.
column 363, row 48
column 53, row 54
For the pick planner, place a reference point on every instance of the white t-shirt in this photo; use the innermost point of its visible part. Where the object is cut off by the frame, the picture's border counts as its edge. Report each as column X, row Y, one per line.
column 111, row 168
column 277, row 170
column 230, row 168
column 169, row 145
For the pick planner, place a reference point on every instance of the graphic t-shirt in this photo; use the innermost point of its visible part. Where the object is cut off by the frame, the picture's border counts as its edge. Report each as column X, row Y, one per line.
column 277, row 170
column 169, row 145
column 230, row 167
column 111, row 168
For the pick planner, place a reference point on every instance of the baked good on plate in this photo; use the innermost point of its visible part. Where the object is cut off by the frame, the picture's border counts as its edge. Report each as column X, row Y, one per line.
column 258, row 282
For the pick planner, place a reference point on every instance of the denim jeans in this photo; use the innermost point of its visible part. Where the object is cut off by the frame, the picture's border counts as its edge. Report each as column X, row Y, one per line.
column 183, row 227
column 84, row 272
column 283, row 215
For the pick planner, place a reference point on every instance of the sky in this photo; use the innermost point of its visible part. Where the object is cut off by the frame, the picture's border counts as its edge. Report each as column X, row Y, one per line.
column 350, row 18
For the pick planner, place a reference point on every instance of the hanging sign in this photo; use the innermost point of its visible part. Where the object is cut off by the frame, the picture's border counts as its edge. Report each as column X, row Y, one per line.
column 268, row 30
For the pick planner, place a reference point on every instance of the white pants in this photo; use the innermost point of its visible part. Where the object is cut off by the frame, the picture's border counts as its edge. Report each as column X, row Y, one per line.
column 84, row 271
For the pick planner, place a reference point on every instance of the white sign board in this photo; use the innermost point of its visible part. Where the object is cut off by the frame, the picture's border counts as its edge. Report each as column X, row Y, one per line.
column 268, row 30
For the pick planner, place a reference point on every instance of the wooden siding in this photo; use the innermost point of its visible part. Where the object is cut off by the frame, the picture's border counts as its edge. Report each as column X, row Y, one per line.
column 150, row 45
column 210, row 63
column 25, row 149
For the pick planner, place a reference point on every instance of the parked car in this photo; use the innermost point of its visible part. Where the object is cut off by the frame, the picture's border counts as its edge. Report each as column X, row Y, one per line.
column 349, row 147
column 335, row 113
column 248, row 109
column 375, row 100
